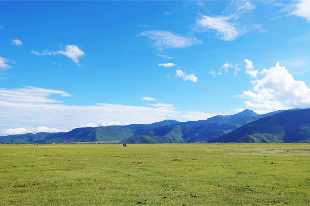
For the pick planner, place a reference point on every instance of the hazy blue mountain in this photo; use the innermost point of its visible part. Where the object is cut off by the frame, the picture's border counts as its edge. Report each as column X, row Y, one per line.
column 223, row 119
column 167, row 131
column 29, row 138
column 155, row 124
column 287, row 126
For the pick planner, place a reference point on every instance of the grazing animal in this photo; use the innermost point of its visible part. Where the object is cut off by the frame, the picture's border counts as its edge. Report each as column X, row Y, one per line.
column 124, row 145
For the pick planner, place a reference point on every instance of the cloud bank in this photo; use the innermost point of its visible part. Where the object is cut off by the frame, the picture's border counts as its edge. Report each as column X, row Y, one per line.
column 26, row 109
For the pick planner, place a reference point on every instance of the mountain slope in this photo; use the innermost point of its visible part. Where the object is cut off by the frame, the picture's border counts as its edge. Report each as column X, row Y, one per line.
column 167, row 131
column 164, row 134
column 94, row 134
column 287, row 126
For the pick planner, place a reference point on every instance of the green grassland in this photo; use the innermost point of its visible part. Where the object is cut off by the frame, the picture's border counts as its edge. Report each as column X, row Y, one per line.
column 155, row 174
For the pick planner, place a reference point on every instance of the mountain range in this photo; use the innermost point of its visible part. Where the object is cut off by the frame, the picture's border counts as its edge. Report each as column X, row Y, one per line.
column 246, row 126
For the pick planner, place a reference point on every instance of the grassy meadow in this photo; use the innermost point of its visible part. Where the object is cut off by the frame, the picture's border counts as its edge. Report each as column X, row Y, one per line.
column 155, row 174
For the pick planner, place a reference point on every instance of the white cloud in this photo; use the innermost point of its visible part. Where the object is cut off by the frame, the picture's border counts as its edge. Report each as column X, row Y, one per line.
column 71, row 51
column 190, row 77
column 167, row 65
column 226, row 67
column 252, row 73
column 162, row 105
column 112, row 124
column 180, row 73
column 32, row 130
column 236, row 69
column 89, row 125
column 3, row 63
column 194, row 116
column 302, row 9
column 226, row 30
column 17, row 42
column 214, row 73
column 238, row 110
column 33, row 114
column 277, row 90
column 30, row 95
column 148, row 99
column 250, row 68
column 243, row 4
column 166, row 39
column 164, row 56
column 249, row 64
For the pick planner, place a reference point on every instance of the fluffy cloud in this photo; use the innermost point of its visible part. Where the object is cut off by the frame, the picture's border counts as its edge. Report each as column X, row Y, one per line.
column 190, row 77
column 3, row 63
column 249, row 64
column 302, row 9
column 24, row 114
column 17, row 42
column 89, row 125
column 71, row 51
column 148, row 99
column 167, row 65
column 30, row 95
column 166, row 39
column 227, row 31
column 32, row 130
column 277, row 90
column 250, row 68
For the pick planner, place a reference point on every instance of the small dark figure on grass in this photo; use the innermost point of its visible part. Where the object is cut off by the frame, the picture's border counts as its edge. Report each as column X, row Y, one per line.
column 124, row 145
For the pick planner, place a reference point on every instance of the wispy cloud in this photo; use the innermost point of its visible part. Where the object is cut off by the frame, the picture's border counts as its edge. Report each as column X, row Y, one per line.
column 17, row 42
column 3, row 63
column 30, row 95
column 71, row 51
column 190, row 77
column 148, row 99
column 226, row 30
column 167, row 65
column 243, row 4
column 164, row 56
column 166, row 39
column 226, row 67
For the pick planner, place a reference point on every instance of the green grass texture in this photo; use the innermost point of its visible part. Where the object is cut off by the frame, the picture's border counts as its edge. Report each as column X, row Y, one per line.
column 155, row 174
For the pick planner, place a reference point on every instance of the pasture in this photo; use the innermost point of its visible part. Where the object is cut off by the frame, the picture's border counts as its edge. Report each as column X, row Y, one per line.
column 155, row 174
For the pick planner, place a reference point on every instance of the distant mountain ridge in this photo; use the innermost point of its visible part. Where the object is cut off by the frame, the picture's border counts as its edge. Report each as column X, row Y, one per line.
column 287, row 126
column 246, row 126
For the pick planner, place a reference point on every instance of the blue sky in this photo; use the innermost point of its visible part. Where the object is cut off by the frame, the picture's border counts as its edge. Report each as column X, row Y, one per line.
column 73, row 64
